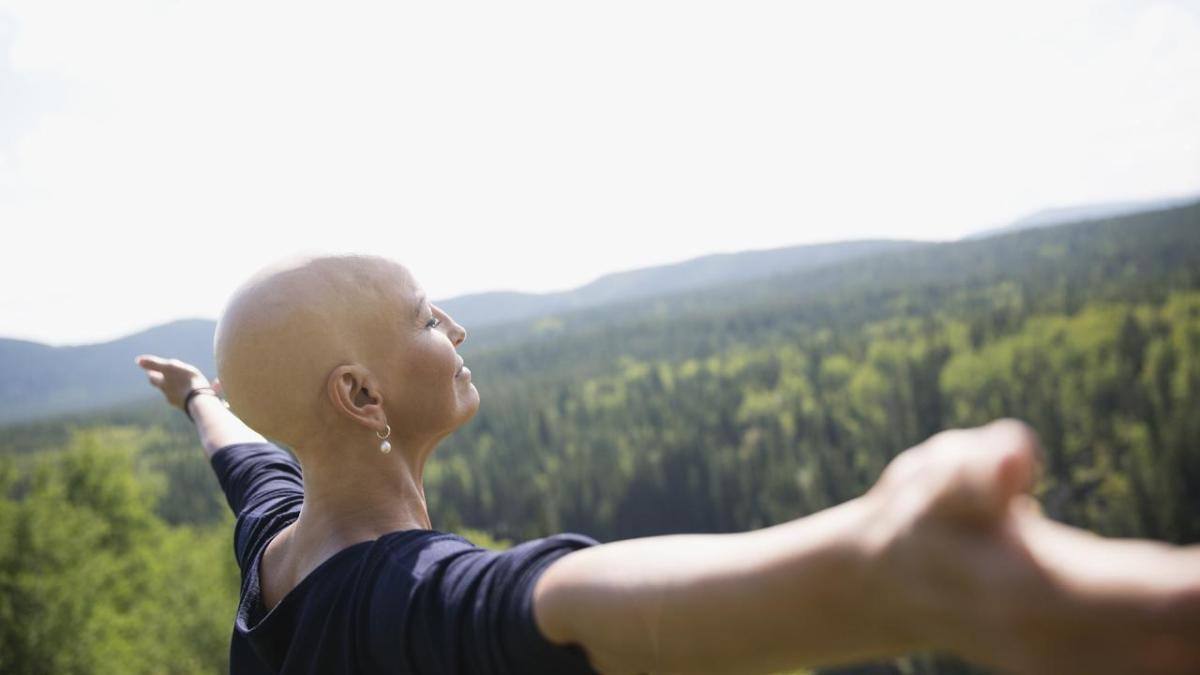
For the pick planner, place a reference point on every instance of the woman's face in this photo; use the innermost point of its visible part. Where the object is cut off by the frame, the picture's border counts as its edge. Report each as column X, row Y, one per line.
column 434, row 389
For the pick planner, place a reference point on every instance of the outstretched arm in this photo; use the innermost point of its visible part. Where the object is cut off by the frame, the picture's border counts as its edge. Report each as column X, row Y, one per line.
column 944, row 553
column 216, row 425
column 798, row 594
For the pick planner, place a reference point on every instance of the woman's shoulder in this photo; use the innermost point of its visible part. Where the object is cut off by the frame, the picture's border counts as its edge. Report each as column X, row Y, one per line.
column 441, row 541
column 418, row 550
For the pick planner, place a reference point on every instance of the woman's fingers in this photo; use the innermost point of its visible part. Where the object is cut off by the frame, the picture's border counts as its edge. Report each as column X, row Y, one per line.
column 170, row 376
column 154, row 367
column 1013, row 449
column 151, row 362
column 981, row 470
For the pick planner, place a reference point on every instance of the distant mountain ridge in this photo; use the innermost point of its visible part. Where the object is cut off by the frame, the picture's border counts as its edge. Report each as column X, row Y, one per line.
column 1063, row 215
column 721, row 268
column 42, row 380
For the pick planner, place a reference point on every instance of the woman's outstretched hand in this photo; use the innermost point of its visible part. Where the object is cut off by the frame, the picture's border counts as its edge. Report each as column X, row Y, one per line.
column 174, row 378
column 217, row 426
column 981, row 572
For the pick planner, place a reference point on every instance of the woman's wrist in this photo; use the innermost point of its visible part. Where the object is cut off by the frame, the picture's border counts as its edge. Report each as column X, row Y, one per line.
column 883, row 585
column 197, row 392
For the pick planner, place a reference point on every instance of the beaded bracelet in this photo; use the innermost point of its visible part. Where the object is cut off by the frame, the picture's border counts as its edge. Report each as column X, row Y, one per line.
column 196, row 392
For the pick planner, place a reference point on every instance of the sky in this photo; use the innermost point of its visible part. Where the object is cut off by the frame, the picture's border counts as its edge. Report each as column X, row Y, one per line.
column 154, row 153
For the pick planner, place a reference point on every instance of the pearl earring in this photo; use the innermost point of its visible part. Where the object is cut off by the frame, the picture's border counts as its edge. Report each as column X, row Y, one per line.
column 385, row 447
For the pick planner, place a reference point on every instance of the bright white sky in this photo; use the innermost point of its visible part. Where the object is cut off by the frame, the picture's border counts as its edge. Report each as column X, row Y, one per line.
column 155, row 153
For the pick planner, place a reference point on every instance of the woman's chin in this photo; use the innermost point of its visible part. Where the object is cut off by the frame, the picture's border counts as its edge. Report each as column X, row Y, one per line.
column 472, row 407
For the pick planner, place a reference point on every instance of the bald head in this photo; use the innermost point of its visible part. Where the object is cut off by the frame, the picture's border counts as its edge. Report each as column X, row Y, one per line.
column 291, row 324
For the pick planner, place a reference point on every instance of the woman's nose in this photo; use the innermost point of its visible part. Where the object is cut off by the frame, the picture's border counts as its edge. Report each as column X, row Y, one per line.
column 457, row 333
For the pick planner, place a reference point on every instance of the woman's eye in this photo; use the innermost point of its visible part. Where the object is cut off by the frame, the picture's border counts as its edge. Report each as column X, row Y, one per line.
column 433, row 321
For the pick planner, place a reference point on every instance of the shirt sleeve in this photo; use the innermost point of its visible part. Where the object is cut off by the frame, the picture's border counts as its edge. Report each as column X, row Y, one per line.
column 472, row 612
column 264, row 488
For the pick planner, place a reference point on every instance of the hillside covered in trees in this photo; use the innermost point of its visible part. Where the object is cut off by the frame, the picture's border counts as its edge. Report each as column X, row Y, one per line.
column 728, row 409
column 43, row 381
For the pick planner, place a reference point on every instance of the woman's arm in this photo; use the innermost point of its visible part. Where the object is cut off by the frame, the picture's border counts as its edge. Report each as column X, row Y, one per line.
column 216, row 425
column 802, row 594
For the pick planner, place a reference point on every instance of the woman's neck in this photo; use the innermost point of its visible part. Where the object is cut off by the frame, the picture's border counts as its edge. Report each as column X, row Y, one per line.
column 355, row 494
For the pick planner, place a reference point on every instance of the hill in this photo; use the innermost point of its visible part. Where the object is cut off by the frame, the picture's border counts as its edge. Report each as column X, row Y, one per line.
column 707, row 271
column 1064, row 215
column 43, row 381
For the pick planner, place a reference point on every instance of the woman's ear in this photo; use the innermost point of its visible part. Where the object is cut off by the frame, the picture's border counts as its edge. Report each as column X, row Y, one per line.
column 355, row 394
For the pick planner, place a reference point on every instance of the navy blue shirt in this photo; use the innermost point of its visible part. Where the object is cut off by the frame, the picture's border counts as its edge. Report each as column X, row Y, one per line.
column 412, row 601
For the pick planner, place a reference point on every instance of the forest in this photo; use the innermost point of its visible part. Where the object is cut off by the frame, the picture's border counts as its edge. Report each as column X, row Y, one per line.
column 720, row 410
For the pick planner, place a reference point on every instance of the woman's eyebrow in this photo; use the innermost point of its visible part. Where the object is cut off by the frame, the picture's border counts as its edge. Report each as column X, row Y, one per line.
column 420, row 305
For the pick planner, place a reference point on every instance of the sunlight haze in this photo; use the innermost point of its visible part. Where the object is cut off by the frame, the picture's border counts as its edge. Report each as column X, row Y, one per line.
column 153, row 154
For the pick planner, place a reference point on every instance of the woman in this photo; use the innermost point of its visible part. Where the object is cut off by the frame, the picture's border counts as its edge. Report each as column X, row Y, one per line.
column 344, row 360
